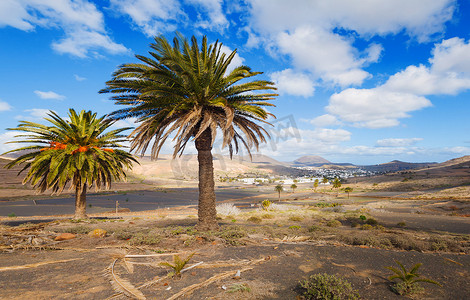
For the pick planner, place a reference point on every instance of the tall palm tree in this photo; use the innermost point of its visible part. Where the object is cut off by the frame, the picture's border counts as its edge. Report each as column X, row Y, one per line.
column 76, row 152
column 185, row 92
column 279, row 188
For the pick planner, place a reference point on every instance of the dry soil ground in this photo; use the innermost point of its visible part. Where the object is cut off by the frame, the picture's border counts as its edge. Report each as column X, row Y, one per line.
column 274, row 250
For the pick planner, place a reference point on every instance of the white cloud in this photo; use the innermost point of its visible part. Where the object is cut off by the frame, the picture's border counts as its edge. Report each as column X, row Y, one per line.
column 394, row 142
column 325, row 120
column 382, row 106
column 213, row 17
column 80, row 42
column 153, row 17
column 81, row 21
column 34, row 115
column 306, row 31
column 79, row 78
column 374, row 108
column 38, row 113
column 4, row 106
column 418, row 18
column 130, row 122
column 319, row 140
column 5, row 137
column 292, row 83
column 449, row 72
column 49, row 95
column 327, row 55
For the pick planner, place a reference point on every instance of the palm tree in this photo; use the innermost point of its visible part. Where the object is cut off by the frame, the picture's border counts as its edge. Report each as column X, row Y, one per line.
column 185, row 91
column 293, row 187
column 78, row 152
column 348, row 190
column 336, row 184
column 315, row 184
column 324, row 180
column 278, row 188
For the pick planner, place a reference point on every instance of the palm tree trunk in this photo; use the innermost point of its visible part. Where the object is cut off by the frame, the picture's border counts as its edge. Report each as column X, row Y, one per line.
column 207, row 215
column 80, row 202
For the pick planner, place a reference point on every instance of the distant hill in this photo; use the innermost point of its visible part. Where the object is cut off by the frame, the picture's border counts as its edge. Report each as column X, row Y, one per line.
column 396, row 165
column 310, row 160
column 263, row 159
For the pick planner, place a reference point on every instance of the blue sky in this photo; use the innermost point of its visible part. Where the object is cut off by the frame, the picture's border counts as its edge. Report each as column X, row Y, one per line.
column 359, row 81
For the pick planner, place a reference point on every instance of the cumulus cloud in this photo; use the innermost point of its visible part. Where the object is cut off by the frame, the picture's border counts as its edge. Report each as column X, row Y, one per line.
column 448, row 73
column 415, row 17
column 305, row 142
column 327, row 55
column 292, row 83
column 306, row 32
column 374, row 108
column 325, row 120
column 152, row 17
column 49, row 95
column 213, row 16
column 394, row 142
column 81, row 21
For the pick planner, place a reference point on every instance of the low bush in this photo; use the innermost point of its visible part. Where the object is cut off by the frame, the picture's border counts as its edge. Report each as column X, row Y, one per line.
column 254, row 219
column 327, row 287
column 333, row 223
column 227, row 209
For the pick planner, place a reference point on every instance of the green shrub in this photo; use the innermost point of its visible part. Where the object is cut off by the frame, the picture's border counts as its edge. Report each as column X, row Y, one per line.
column 372, row 221
column 327, row 287
column 232, row 235
column 367, row 227
column 333, row 223
column 254, row 219
column 238, row 287
column 295, row 227
column 123, row 234
column 267, row 216
column 401, row 224
column 314, row 228
column 295, row 218
column 12, row 215
column 266, row 204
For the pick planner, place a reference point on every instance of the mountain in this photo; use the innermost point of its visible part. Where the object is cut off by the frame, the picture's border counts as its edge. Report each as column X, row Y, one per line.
column 396, row 165
column 310, row 160
column 263, row 160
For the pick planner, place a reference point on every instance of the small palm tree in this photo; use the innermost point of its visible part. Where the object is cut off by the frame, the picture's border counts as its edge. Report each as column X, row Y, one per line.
column 348, row 190
column 76, row 152
column 185, row 91
column 408, row 279
column 279, row 188
column 336, row 183
column 315, row 184
column 324, row 180
column 293, row 187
